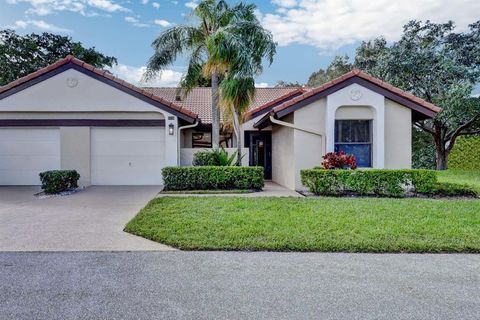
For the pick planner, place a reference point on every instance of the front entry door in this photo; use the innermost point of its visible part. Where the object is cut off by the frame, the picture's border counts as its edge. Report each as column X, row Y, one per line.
column 260, row 145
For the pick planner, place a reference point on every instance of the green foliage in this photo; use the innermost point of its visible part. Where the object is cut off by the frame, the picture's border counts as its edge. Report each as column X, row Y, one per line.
column 212, row 178
column 423, row 150
column 438, row 65
column 228, row 43
column 205, row 158
column 24, row 54
column 215, row 157
column 468, row 177
column 447, row 189
column 466, row 154
column 227, row 38
column 56, row 181
column 338, row 67
column 299, row 224
column 388, row 183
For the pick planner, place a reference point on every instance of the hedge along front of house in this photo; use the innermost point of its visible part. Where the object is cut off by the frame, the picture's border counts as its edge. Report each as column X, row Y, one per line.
column 466, row 154
column 389, row 183
column 213, row 178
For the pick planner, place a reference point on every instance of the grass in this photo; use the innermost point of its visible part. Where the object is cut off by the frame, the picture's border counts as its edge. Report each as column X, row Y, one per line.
column 311, row 224
column 469, row 177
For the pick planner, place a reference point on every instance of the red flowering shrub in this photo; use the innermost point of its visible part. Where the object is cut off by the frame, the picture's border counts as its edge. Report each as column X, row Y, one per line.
column 339, row 160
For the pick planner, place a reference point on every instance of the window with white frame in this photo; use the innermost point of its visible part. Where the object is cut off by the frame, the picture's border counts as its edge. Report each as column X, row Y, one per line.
column 355, row 137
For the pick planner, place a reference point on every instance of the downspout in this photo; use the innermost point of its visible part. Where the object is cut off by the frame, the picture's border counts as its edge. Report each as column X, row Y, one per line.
column 291, row 125
column 179, row 135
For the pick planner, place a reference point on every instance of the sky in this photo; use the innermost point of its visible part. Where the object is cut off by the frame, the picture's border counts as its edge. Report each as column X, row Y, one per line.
column 309, row 33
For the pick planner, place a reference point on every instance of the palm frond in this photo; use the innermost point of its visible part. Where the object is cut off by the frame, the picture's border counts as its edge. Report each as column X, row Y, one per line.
column 169, row 45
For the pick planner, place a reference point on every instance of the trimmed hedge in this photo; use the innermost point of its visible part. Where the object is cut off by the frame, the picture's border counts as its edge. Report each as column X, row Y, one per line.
column 212, row 178
column 465, row 154
column 205, row 158
column 386, row 183
column 56, row 181
column 447, row 189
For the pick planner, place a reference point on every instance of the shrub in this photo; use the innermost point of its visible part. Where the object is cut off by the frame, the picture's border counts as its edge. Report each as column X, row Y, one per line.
column 339, row 160
column 216, row 157
column 205, row 158
column 390, row 183
column 56, row 181
column 212, row 178
column 447, row 189
column 465, row 154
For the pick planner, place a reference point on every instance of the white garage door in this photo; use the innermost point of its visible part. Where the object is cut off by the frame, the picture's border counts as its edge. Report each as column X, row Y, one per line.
column 25, row 152
column 127, row 156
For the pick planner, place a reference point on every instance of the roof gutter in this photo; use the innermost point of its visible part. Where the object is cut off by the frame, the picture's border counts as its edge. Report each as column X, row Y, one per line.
column 196, row 123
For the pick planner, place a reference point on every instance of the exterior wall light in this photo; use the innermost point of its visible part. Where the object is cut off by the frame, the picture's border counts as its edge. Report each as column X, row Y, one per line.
column 171, row 128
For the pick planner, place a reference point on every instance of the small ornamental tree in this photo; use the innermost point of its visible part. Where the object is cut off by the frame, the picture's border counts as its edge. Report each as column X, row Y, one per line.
column 339, row 160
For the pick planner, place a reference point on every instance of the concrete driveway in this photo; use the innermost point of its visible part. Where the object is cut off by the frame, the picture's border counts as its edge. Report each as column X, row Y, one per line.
column 90, row 220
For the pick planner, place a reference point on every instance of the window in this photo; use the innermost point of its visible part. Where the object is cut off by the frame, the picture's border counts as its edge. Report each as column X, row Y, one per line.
column 201, row 140
column 354, row 137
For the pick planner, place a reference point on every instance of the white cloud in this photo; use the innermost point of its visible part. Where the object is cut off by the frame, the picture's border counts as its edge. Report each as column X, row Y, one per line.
column 133, row 75
column 83, row 7
column 135, row 22
column 156, row 5
column 106, row 5
column 145, row 1
column 39, row 24
column 285, row 3
column 331, row 24
column 191, row 4
column 162, row 23
column 261, row 85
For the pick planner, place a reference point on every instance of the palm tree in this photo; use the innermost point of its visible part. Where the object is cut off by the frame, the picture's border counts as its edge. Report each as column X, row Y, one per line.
column 228, row 41
column 236, row 97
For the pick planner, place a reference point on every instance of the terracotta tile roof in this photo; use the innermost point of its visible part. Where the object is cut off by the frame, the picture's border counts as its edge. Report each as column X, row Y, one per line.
column 71, row 59
column 199, row 100
column 365, row 76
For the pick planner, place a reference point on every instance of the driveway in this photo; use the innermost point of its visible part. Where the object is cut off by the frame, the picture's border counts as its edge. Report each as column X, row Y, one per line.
column 238, row 285
column 90, row 220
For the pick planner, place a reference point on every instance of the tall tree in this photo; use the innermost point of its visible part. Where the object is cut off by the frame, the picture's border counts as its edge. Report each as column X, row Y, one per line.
column 338, row 67
column 24, row 54
column 225, row 39
column 434, row 63
column 237, row 94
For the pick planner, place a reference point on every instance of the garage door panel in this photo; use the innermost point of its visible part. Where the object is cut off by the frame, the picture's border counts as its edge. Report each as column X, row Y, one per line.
column 25, row 152
column 127, row 156
column 29, row 148
column 25, row 162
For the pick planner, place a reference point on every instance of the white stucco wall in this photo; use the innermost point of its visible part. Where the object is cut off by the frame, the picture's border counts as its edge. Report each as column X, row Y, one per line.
column 308, row 147
column 75, row 152
column 398, row 136
column 54, row 95
column 283, row 158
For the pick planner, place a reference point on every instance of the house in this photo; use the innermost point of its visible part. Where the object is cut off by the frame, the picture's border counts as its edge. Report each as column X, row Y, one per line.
column 71, row 115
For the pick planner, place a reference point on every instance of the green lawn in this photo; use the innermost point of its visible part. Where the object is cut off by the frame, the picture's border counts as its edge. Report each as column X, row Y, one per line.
column 311, row 224
column 470, row 177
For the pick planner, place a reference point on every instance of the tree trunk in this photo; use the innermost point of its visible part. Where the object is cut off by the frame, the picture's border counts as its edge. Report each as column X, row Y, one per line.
column 215, row 112
column 441, row 153
column 238, row 134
